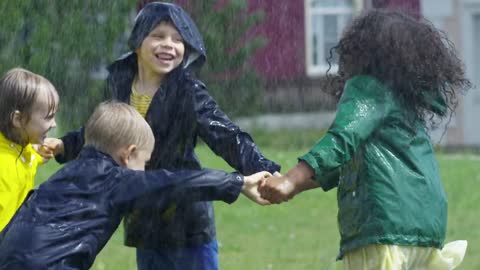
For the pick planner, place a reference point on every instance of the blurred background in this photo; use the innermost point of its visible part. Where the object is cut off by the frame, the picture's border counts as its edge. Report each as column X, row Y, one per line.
column 266, row 61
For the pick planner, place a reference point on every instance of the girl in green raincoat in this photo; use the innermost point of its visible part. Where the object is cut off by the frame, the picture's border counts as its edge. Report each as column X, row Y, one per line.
column 397, row 74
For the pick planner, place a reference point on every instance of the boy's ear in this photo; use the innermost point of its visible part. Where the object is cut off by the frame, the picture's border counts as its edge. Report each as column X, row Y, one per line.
column 125, row 154
column 17, row 119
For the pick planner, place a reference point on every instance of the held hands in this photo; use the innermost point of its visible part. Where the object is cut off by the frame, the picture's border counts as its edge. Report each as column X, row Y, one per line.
column 277, row 188
column 50, row 148
column 250, row 187
column 265, row 188
column 281, row 188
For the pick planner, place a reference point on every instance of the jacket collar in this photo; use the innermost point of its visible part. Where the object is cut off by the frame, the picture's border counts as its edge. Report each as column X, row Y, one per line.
column 89, row 152
column 26, row 155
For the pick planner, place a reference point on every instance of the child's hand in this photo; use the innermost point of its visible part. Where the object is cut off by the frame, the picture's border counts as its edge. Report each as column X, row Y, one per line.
column 250, row 187
column 43, row 151
column 277, row 188
column 51, row 147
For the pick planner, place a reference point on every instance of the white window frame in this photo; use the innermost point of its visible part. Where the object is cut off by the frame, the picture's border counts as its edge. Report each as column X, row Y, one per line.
column 470, row 108
column 320, row 69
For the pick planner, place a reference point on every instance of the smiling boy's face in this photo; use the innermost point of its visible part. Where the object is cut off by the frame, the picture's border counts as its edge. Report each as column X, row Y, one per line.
column 162, row 50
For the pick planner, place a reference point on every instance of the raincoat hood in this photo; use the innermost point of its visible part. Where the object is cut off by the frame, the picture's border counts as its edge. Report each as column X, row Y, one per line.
column 154, row 13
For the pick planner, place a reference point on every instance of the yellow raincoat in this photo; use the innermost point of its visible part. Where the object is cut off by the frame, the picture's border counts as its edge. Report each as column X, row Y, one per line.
column 17, row 173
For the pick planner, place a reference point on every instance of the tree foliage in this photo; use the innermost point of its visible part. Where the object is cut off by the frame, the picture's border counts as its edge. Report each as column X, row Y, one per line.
column 67, row 41
column 225, row 27
column 70, row 42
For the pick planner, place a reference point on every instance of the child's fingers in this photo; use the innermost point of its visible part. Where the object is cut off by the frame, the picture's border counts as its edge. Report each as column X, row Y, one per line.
column 261, row 183
column 262, row 201
column 45, row 151
column 262, row 186
column 46, row 148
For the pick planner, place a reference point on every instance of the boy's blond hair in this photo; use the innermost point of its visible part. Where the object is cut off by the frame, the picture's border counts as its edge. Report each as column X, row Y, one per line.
column 114, row 125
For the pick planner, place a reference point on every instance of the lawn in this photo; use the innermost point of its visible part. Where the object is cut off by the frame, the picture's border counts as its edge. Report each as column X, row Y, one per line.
column 303, row 233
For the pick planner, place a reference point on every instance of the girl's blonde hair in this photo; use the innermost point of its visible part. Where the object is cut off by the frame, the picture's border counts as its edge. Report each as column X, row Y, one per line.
column 19, row 89
column 114, row 125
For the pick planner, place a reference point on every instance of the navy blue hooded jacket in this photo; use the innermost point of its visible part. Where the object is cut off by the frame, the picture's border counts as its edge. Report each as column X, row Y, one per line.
column 181, row 110
column 69, row 219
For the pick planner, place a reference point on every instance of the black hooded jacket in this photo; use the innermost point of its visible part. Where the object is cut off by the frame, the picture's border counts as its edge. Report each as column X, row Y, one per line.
column 180, row 111
column 69, row 219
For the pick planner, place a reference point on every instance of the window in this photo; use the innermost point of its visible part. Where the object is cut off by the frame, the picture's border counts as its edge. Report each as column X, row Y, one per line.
column 471, row 102
column 324, row 23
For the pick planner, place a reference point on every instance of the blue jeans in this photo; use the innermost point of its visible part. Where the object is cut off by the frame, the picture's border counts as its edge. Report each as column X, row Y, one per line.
column 204, row 257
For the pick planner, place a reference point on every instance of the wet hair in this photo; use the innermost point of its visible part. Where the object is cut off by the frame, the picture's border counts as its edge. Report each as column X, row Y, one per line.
column 19, row 89
column 114, row 125
column 410, row 56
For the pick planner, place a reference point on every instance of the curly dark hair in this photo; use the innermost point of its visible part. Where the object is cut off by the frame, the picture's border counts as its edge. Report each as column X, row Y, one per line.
column 409, row 55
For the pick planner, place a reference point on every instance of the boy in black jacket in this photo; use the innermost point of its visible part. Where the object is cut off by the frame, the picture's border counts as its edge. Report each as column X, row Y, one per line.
column 69, row 219
column 158, row 78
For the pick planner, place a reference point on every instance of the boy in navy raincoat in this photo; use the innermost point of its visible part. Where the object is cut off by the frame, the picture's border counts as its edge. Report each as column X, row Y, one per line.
column 69, row 219
column 157, row 78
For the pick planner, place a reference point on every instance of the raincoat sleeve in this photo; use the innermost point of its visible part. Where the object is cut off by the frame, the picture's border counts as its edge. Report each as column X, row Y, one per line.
column 7, row 200
column 160, row 188
column 362, row 108
column 13, row 189
column 73, row 144
column 226, row 139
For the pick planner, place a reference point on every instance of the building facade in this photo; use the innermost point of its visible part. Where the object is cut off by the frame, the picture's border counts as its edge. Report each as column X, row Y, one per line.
column 301, row 33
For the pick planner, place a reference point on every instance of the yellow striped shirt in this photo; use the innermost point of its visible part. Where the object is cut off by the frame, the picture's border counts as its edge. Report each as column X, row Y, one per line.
column 140, row 102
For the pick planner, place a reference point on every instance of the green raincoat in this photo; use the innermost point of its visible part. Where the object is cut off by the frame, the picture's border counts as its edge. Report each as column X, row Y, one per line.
column 388, row 186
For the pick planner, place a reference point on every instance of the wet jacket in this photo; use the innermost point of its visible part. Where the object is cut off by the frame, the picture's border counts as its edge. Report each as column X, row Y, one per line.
column 18, row 167
column 181, row 111
column 389, row 190
column 69, row 219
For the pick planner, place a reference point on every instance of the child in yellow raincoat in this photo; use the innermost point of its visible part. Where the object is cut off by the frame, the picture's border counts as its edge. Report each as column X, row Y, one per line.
column 28, row 103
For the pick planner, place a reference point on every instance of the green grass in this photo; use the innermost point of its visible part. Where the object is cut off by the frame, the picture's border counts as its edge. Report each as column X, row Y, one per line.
column 302, row 234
